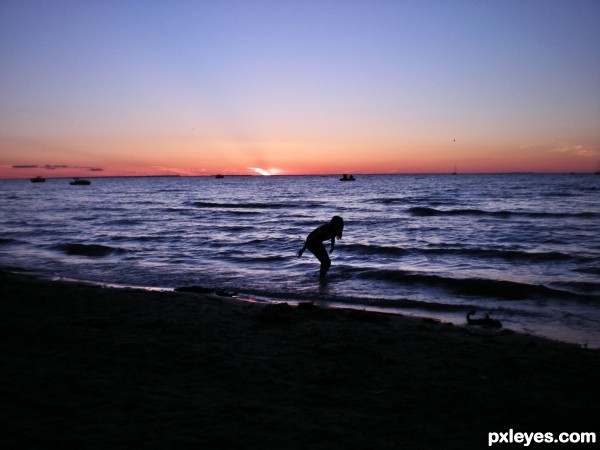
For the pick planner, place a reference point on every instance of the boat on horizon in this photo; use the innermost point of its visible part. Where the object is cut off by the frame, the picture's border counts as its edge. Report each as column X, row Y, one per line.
column 346, row 177
column 219, row 176
column 38, row 179
column 80, row 182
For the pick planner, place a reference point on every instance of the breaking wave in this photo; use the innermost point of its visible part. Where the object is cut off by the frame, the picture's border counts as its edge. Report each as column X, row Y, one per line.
column 501, row 289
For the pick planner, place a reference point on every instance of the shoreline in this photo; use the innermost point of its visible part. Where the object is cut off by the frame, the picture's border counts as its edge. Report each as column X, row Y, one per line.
column 95, row 367
column 403, row 308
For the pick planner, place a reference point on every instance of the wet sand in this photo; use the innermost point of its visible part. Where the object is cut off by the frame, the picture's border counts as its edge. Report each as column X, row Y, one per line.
column 91, row 367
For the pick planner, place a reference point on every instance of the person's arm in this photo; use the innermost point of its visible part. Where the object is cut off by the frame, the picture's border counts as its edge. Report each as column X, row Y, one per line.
column 302, row 250
column 332, row 244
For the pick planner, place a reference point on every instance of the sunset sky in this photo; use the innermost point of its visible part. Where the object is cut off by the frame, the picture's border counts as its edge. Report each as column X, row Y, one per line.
column 132, row 87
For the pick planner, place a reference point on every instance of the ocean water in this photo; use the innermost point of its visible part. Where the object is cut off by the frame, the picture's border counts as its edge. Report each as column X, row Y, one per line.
column 523, row 247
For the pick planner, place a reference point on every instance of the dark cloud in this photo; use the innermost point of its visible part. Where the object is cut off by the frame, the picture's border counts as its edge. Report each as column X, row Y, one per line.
column 55, row 166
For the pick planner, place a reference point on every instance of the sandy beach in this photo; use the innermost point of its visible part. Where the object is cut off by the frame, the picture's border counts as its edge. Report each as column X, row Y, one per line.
column 91, row 367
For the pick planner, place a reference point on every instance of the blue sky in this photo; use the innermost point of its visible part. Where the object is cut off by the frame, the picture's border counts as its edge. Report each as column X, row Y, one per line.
column 220, row 85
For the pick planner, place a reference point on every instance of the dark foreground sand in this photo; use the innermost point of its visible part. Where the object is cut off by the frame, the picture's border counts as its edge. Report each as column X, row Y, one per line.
column 89, row 367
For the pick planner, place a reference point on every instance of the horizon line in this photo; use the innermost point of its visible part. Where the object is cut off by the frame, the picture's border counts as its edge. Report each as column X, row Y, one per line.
column 308, row 175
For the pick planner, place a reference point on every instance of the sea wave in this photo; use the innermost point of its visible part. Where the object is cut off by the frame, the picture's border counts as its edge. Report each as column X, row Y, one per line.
column 593, row 270
column 584, row 287
column 389, row 200
column 253, row 205
column 141, row 238
column 412, row 200
column 471, row 252
column 126, row 222
column 9, row 241
column 91, row 250
column 501, row 289
column 379, row 250
column 422, row 211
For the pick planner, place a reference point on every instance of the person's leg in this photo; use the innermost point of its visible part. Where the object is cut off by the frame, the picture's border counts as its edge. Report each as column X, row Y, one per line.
column 321, row 254
column 325, row 265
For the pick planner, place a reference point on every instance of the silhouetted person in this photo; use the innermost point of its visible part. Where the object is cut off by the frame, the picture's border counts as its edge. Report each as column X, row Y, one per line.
column 314, row 242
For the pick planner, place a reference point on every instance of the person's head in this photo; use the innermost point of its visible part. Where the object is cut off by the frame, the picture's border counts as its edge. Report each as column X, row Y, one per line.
column 338, row 225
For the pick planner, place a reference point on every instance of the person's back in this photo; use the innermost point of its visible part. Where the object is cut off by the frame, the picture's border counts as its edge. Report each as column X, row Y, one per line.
column 322, row 233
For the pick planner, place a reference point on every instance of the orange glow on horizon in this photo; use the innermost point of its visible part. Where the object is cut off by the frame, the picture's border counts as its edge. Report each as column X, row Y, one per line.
column 409, row 167
column 192, row 157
